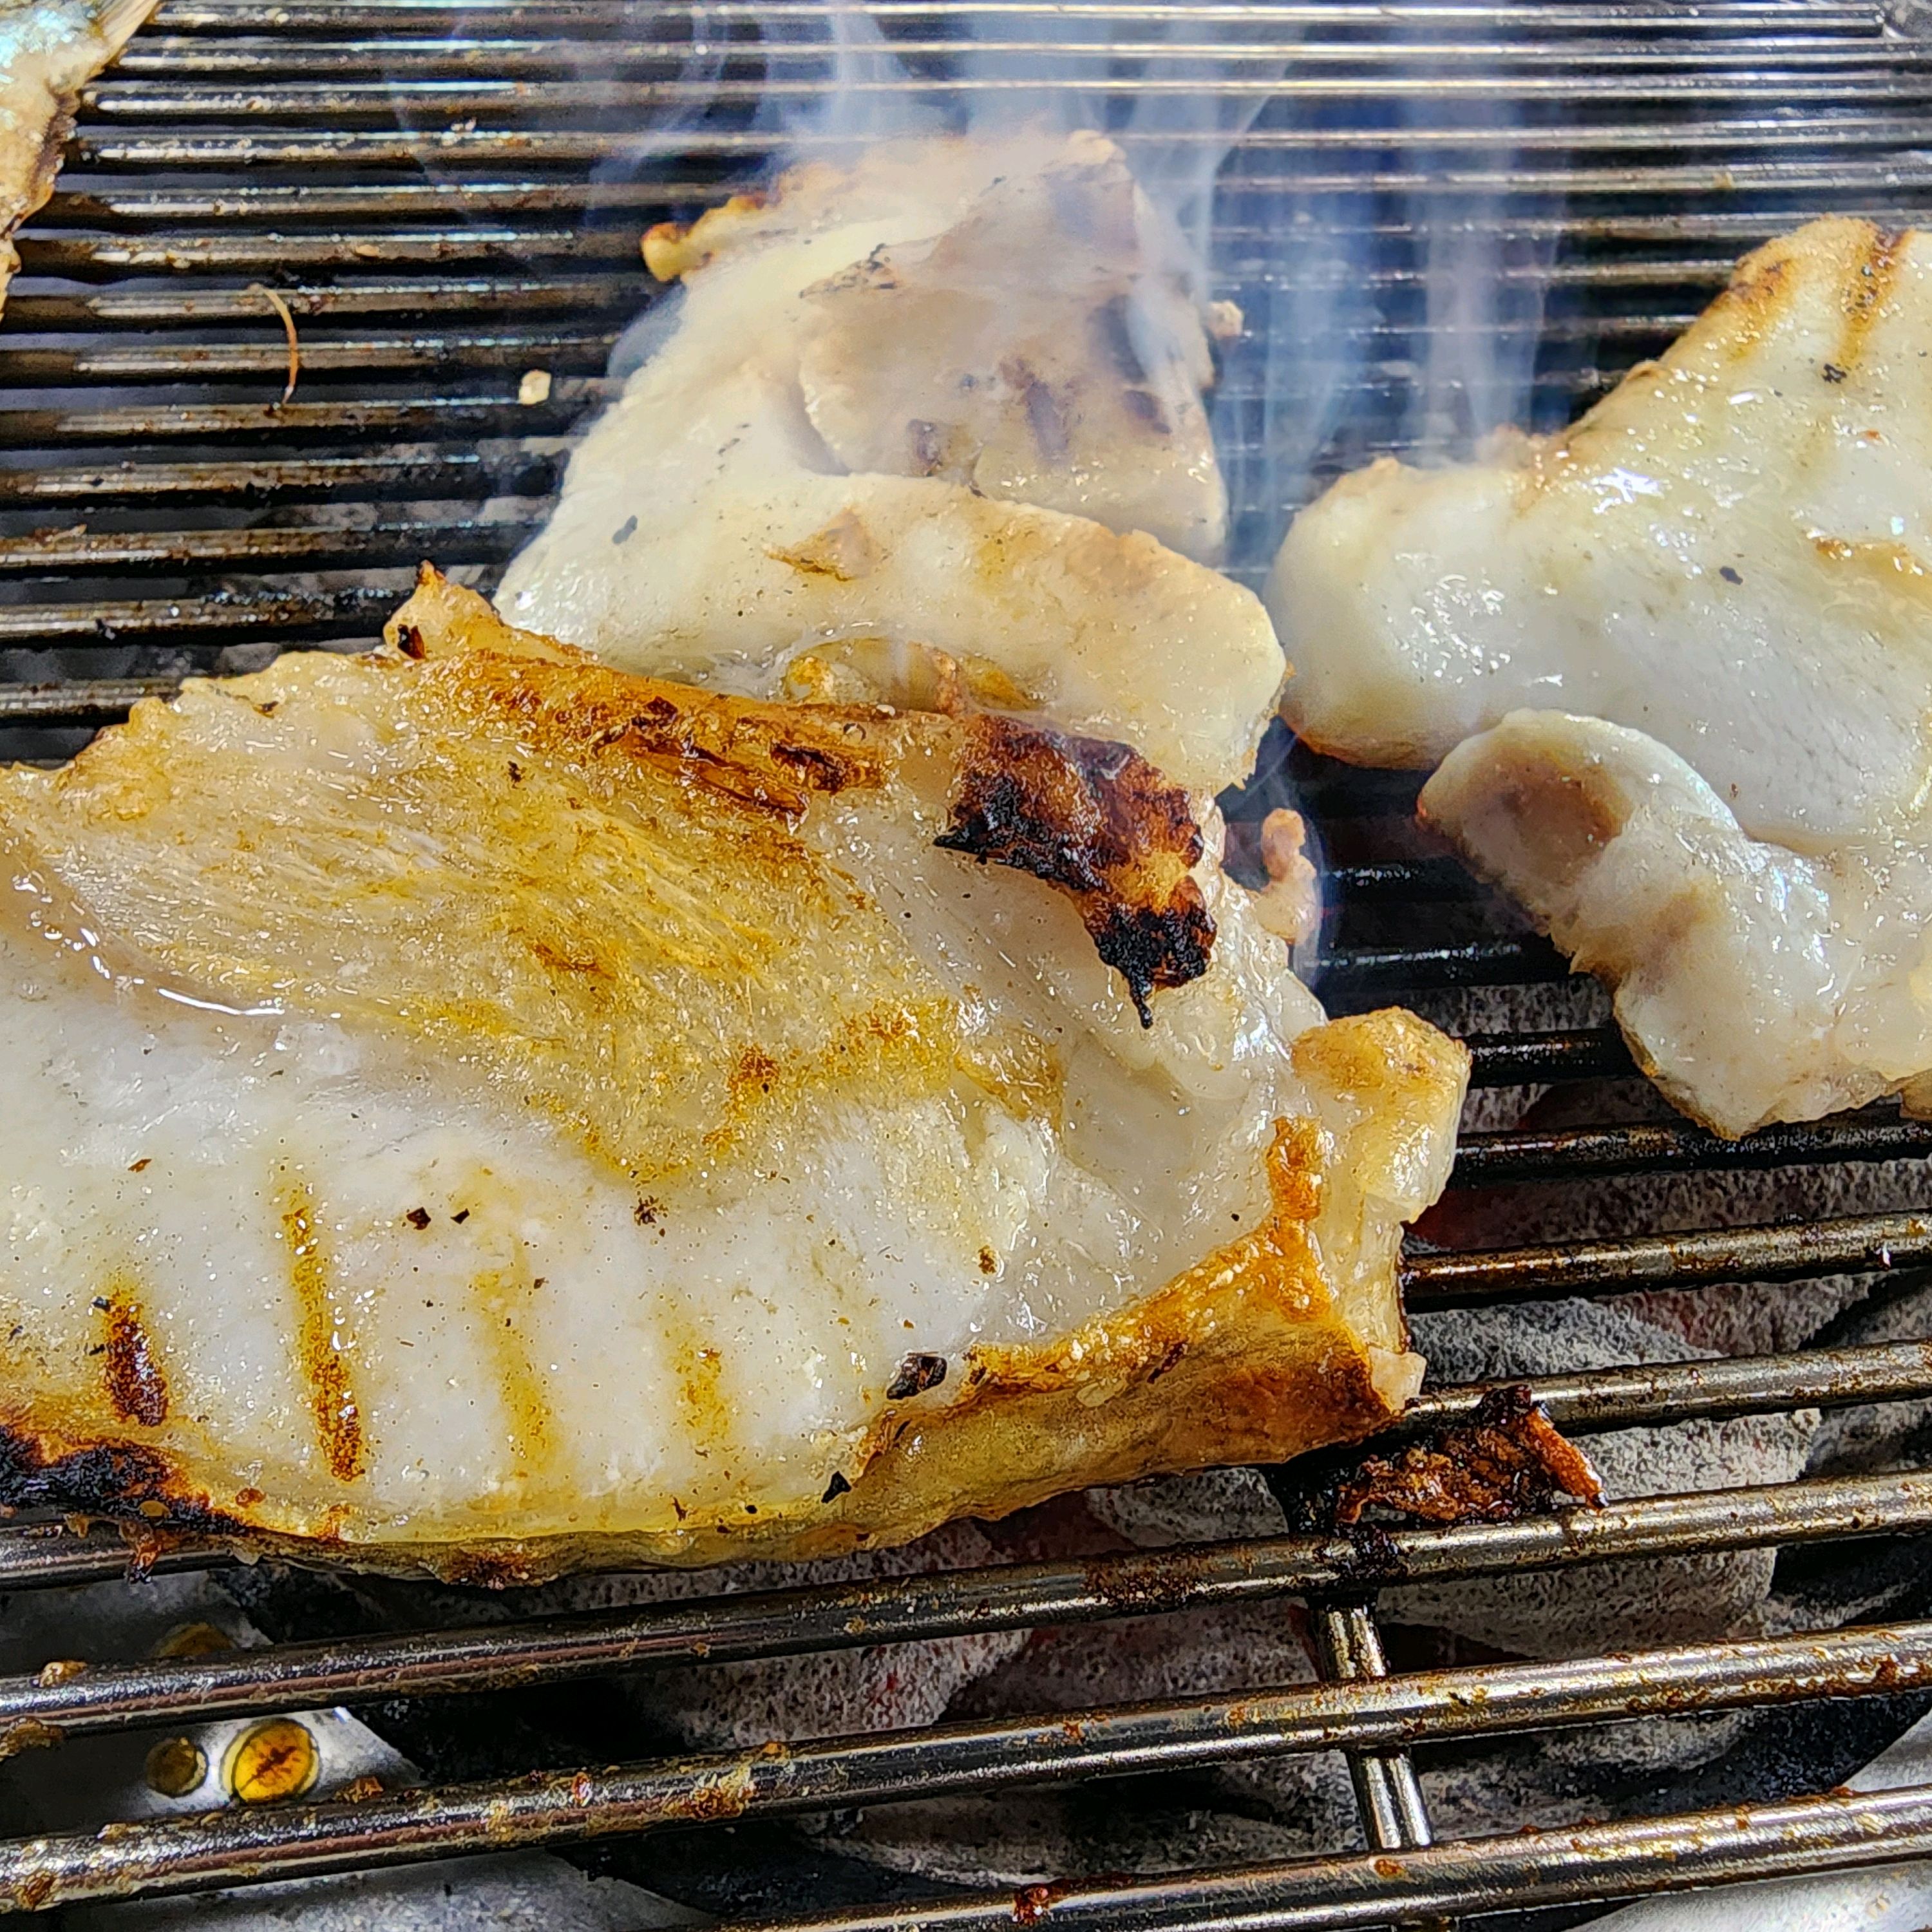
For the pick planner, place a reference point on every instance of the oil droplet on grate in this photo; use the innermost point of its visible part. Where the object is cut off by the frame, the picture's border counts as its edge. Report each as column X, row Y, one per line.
column 276, row 1760
column 175, row 1766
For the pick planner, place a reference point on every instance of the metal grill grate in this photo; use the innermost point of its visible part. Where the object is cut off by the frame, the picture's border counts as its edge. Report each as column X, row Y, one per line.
column 447, row 197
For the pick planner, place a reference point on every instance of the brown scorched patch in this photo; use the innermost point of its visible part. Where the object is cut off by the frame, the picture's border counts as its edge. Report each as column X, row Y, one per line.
column 136, row 1390
column 1096, row 820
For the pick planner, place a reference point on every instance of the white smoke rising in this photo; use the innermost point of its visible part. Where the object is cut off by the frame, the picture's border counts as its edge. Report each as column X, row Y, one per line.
column 1390, row 268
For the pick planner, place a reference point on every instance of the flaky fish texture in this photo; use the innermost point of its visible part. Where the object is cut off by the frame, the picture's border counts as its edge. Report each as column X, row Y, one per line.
column 1729, row 553
column 950, row 400
column 1753, row 983
column 49, row 49
column 476, row 1110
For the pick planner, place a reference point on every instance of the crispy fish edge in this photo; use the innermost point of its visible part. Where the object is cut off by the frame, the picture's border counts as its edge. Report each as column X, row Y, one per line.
column 1289, row 1338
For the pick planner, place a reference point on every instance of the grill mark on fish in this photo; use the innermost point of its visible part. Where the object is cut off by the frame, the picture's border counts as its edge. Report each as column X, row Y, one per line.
column 338, row 1417
column 503, row 1298
column 136, row 1389
column 1866, row 293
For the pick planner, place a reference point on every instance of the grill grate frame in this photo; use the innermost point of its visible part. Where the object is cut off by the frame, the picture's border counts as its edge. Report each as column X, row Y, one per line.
column 445, row 202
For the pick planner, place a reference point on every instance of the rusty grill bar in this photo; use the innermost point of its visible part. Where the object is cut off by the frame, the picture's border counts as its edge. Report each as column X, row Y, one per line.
column 446, row 200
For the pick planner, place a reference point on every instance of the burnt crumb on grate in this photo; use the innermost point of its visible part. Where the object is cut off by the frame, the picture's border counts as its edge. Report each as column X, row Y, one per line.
column 1509, row 1461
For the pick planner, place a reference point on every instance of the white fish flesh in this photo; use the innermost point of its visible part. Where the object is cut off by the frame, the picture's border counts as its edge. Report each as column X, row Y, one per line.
column 946, row 404
column 1754, row 983
column 475, row 1110
column 1732, row 553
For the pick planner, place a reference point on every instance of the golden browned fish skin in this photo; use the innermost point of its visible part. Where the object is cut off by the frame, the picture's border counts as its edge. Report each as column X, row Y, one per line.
column 49, row 50
column 492, row 1114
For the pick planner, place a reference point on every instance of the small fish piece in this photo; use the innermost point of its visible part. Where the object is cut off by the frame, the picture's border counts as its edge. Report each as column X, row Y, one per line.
column 1732, row 552
column 49, row 49
column 947, row 399
column 1753, row 983
column 481, row 1112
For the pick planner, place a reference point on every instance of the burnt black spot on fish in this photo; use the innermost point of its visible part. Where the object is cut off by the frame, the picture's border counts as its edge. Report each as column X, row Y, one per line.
column 1095, row 819
column 1729, row 575
column 418, row 1217
column 838, row 1486
column 821, row 771
column 1833, row 374
column 625, row 531
column 915, row 1375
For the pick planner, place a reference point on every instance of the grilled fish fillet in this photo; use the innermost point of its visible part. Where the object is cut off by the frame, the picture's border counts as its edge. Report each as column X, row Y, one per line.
column 1754, row 983
column 1732, row 553
column 477, row 1111
column 874, row 423
column 49, row 50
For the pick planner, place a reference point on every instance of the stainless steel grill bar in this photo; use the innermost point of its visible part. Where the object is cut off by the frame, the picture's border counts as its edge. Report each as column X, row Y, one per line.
column 1781, row 1251
column 384, row 546
column 422, row 419
column 1585, row 1053
column 1624, row 1398
column 1749, row 16
column 289, row 614
column 470, row 97
column 53, row 253
column 1844, row 174
column 1676, row 1148
column 161, row 362
column 1388, row 1795
column 1356, row 973
column 155, row 1859
column 912, row 1609
column 30, row 310
column 1593, row 1863
column 60, row 704
column 1767, row 59
column 448, row 473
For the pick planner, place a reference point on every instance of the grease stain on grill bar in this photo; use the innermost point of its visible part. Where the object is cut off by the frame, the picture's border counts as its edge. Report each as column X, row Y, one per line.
column 1596, row 1863
column 312, row 1676
column 1523, row 1156
column 138, row 361
column 471, row 474
column 294, row 616
column 384, row 547
column 188, row 1854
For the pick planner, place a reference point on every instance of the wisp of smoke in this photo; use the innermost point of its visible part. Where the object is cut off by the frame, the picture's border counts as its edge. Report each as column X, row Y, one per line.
column 1387, row 253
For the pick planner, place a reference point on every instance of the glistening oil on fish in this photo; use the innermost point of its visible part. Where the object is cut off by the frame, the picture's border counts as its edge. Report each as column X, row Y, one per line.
column 653, row 1077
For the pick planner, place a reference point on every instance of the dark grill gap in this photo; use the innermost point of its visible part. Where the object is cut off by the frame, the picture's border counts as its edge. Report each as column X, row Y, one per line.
column 445, row 202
